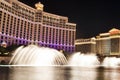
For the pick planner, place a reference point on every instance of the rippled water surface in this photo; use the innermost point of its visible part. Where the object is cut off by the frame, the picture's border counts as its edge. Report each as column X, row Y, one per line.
column 58, row 73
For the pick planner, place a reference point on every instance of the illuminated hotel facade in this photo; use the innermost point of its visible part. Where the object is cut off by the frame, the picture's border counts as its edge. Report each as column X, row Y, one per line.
column 85, row 46
column 22, row 24
column 108, row 44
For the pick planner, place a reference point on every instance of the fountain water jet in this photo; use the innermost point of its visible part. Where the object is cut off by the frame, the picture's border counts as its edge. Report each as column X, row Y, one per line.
column 111, row 62
column 37, row 56
column 84, row 60
column 40, row 56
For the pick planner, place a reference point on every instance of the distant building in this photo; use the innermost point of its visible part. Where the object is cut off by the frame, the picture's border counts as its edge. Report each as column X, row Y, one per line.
column 85, row 45
column 22, row 24
column 108, row 43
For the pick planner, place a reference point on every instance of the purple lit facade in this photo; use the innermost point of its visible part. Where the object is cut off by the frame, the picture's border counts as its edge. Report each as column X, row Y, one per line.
column 22, row 24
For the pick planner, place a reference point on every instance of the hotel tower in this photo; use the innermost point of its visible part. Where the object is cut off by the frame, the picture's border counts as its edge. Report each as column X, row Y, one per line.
column 22, row 24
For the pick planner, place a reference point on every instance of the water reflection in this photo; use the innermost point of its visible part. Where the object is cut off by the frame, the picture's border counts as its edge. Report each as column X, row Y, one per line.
column 78, row 73
column 4, row 73
column 100, row 73
column 37, row 73
column 113, row 74
column 58, row 73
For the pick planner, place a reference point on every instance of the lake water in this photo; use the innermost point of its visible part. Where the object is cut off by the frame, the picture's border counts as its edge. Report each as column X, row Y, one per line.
column 58, row 73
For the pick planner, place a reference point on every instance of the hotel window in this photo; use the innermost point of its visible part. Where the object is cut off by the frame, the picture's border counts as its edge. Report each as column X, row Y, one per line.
column 31, row 29
column 63, row 36
column 1, row 37
column 14, row 25
column 67, row 37
column 0, row 13
column 56, row 35
column 43, row 33
column 27, row 33
column 53, row 35
column 35, row 31
column 50, row 31
column 3, row 28
column 59, row 36
column 24, row 31
column 39, row 28
column 70, row 38
column 0, row 16
column 2, row 5
column 47, row 34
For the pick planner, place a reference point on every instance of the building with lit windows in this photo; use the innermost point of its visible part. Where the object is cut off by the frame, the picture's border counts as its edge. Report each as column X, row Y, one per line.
column 108, row 44
column 105, row 44
column 85, row 45
column 22, row 24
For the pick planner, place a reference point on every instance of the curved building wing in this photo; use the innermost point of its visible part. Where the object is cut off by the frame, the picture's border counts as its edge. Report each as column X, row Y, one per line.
column 22, row 24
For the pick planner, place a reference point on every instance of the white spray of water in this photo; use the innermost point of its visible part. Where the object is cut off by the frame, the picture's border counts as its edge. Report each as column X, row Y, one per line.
column 111, row 62
column 83, row 60
column 37, row 56
column 40, row 56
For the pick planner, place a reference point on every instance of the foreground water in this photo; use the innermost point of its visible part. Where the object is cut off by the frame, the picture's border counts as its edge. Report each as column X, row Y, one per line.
column 58, row 73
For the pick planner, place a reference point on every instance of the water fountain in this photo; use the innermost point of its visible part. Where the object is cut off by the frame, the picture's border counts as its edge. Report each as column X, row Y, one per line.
column 37, row 56
column 111, row 62
column 84, row 60
column 33, row 55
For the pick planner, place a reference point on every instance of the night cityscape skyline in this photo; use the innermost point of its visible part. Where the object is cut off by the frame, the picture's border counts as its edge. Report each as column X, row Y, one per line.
column 63, row 40
column 91, row 18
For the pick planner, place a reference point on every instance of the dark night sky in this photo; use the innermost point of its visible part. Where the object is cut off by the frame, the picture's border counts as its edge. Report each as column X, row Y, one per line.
column 91, row 17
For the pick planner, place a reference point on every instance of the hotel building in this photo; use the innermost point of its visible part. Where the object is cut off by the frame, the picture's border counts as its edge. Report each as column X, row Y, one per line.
column 22, row 24
column 85, row 45
column 108, row 44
